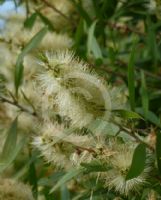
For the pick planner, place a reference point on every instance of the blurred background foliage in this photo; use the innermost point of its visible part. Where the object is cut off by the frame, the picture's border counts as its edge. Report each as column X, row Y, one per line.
column 121, row 40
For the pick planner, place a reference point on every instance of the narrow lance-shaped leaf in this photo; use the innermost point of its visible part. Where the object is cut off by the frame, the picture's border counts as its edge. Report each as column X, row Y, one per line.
column 131, row 77
column 33, row 177
column 126, row 114
column 68, row 176
column 33, row 43
column 65, row 195
column 10, row 142
column 12, row 156
column 92, row 44
column 144, row 94
column 82, row 12
column 11, row 148
column 158, row 151
column 30, row 21
column 79, row 33
column 138, row 162
column 152, row 117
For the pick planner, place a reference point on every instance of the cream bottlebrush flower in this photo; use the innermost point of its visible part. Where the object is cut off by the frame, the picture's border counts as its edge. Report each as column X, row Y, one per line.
column 121, row 163
column 56, row 146
column 68, row 86
column 97, row 150
column 13, row 190
column 83, row 156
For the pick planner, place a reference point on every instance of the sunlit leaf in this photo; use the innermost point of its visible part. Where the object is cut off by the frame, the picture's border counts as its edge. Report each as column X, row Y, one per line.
column 65, row 195
column 11, row 141
column 33, row 43
column 126, row 114
column 68, row 176
column 12, row 156
column 92, row 44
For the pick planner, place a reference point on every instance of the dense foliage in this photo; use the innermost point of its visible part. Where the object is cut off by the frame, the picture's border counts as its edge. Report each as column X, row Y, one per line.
column 80, row 112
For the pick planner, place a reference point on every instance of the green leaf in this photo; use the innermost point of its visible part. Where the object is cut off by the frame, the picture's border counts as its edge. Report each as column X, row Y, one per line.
column 68, row 176
column 10, row 142
column 131, row 76
column 65, row 195
column 79, row 33
column 138, row 162
column 33, row 177
column 150, row 117
column 33, row 43
column 30, row 21
column 158, row 150
column 11, row 157
column 95, row 166
column 92, row 44
column 2, row 1
column 126, row 114
column 109, row 7
column 2, row 84
column 144, row 94
column 82, row 12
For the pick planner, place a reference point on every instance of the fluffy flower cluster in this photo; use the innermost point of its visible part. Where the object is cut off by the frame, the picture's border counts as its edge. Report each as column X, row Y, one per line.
column 13, row 190
column 121, row 163
column 69, row 89
column 13, row 38
column 56, row 144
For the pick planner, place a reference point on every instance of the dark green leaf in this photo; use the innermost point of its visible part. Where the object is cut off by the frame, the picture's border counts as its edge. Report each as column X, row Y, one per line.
column 108, row 8
column 2, row 84
column 33, row 178
column 131, row 77
column 82, row 12
column 144, row 94
column 79, row 33
column 138, row 162
column 30, row 21
column 158, row 150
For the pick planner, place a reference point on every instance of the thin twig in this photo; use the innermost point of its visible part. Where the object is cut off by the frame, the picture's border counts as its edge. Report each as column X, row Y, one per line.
column 125, row 28
column 120, row 62
column 56, row 10
column 15, row 103
column 132, row 134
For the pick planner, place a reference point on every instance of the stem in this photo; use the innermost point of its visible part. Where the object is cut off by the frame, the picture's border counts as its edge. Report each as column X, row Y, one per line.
column 56, row 10
column 15, row 103
column 132, row 134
